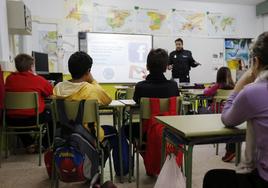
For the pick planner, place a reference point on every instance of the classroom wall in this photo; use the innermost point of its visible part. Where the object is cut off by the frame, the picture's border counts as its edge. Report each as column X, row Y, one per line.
column 203, row 48
column 4, row 43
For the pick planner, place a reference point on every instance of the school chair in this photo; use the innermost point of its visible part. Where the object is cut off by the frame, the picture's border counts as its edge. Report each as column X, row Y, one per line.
column 90, row 115
column 20, row 101
column 219, row 100
column 145, row 114
column 130, row 92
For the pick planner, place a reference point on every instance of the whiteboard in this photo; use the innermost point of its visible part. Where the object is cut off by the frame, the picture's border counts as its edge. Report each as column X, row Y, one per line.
column 207, row 51
column 118, row 58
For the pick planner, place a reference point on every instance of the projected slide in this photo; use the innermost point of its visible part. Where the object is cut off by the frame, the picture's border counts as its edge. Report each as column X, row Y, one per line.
column 118, row 58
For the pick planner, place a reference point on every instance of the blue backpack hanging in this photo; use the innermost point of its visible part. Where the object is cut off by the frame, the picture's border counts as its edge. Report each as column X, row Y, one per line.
column 76, row 156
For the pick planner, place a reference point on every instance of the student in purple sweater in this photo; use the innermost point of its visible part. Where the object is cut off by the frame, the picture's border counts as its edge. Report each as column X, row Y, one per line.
column 248, row 102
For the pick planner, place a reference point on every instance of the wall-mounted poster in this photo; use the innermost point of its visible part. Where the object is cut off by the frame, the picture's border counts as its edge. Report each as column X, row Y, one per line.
column 237, row 53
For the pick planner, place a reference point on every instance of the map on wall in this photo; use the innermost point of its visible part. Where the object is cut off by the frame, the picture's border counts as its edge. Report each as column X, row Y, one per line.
column 48, row 40
column 151, row 21
column 221, row 25
column 48, row 44
column 77, row 17
column 110, row 19
column 188, row 23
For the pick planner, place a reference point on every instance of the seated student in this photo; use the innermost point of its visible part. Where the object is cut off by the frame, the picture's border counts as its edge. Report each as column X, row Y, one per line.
column 24, row 80
column 83, row 86
column 224, row 81
column 249, row 103
column 155, row 86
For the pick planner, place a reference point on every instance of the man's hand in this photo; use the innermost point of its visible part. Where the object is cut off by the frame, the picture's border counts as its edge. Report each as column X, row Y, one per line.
column 170, row 67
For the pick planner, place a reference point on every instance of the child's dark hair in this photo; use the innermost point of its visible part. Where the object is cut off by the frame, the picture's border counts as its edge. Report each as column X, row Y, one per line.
column 157, row 60
column 79, row 63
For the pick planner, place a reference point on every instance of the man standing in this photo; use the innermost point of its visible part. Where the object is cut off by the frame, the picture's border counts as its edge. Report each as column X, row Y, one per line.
column 181, row 61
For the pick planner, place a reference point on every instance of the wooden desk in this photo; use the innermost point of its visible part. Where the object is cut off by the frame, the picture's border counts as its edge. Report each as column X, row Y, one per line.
column 197, row 129
column 194, row 92
column 195, row 97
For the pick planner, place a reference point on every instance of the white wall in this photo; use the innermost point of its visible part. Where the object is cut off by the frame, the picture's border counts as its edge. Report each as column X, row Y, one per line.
column 248, row 26
column 4, row 43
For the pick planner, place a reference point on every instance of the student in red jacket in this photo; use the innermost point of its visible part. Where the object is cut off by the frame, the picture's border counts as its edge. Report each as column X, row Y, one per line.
column 24, row 80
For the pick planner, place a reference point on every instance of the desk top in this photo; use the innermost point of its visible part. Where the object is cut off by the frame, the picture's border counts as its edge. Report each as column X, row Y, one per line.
column 113, row 104
column 199, row 125
column 121, row 87
column 129, row 102
column 194, row 91
column 116, row 103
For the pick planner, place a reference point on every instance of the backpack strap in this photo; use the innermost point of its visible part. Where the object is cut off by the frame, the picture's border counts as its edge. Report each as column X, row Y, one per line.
column 80, row 113
column 64, row 120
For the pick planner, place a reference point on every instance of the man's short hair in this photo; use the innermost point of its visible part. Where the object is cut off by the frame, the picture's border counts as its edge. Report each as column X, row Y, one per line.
column 23, row 62
column 179, row 40
column 157, row 60
column 79, row 63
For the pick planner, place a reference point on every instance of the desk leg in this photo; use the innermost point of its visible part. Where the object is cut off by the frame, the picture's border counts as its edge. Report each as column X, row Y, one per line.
column 185, row 159
column 189, row 166
column 116, row 95
column 120, row 142
column 115, row 114
column 130, row 147
column 163, row 148
column 237, row 153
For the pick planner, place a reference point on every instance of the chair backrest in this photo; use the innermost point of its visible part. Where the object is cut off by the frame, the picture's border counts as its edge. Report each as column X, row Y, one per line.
column 91, row 110
column 21, row 100
column 220, row 97
column 145, row 110
column 222, row 94
column 130, row 92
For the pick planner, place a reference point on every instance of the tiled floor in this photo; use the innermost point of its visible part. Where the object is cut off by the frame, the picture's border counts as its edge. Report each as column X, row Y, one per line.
column 23, row 171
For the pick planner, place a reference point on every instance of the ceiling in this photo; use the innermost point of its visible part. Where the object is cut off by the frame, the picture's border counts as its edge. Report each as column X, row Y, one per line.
column 242, row 2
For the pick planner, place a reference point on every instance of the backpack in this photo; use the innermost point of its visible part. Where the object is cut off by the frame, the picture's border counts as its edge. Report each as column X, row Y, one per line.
column 76, row 156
